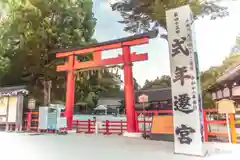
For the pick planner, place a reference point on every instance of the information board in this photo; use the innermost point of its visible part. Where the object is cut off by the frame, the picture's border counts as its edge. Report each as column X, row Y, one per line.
column 162, row 124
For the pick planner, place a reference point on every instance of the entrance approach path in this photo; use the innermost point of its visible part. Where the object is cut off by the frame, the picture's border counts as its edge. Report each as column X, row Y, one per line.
column 22, row 146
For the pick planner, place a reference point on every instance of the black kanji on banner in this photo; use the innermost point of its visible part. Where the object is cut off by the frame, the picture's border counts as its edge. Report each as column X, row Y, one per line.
column 178, row 47
column 183, row 133
column 176, row 20
column 180, row 74
column 202, row 132
column 181, row 103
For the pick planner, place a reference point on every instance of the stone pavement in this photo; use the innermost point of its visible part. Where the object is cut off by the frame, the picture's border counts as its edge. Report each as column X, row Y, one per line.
column 23, row 146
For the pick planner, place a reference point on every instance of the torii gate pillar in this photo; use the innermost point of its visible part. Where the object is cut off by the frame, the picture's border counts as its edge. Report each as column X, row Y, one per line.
column 129, row 90
column 70, row 90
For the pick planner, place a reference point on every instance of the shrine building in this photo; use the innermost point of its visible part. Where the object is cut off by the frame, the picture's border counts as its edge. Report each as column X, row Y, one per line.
column 227, row 85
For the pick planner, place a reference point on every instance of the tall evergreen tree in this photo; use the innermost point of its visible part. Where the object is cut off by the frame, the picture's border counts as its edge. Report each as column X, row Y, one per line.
column 31, row 29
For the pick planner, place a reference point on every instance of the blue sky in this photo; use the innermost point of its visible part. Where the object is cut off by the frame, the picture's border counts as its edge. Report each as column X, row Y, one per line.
column 214, row 40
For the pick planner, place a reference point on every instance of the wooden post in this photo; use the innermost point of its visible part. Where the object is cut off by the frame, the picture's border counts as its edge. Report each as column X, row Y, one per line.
column 205, row 125
column 107, row 127
column 7, row 124
column 121, row 128
column 89, row 126
column 233, row 128
column 29, row 121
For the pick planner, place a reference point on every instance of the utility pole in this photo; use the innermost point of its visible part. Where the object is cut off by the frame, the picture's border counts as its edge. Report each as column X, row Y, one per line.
column 49, row 91
column 45, row 92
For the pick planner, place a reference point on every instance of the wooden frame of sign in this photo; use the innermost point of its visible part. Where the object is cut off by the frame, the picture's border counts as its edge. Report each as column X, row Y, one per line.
column 226, row 106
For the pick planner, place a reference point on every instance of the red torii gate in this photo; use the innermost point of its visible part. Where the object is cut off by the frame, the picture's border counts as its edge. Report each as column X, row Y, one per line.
column 126, row 58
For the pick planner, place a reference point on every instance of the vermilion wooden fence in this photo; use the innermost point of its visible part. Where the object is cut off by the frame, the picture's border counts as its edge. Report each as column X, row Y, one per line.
column 119, row 126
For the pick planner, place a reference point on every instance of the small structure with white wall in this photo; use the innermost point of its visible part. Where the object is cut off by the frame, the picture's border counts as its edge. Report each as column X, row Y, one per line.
column 11, row 107
column 101, row 109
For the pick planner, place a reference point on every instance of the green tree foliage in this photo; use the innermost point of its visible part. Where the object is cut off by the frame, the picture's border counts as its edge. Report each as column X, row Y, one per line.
column 122, row 106
column 136, row 85
column 95, row 83
column 144, row 15
column 208, row 78
column 32, row 29
column 163, row 82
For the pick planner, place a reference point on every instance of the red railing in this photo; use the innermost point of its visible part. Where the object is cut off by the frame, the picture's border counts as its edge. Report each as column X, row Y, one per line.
column 221, row 124
column 104, row 127
column 84, row 126
column 118, row 127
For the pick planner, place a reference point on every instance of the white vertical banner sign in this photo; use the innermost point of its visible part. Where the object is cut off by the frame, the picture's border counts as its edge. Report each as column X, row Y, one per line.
column 188, row 136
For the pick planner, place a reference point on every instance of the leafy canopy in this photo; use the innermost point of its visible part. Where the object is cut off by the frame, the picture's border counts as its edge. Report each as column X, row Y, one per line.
column 31, row 29
column 163, row 82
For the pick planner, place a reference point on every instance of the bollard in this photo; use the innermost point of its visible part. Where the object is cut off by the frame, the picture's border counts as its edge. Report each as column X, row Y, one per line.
column 29, row 121
column 121, row 128
column 77, row 129
column 96, row 127
column 89, row 126
column 107, row 127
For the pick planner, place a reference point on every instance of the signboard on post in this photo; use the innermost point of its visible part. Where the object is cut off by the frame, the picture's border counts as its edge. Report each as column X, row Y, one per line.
column 143, row 98
column 162, row 125
column 225, row 106
column 185, row 97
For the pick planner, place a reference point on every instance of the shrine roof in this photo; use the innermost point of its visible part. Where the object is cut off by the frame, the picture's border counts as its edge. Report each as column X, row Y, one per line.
column 13, row 90
column 230, row 74
column 150, row 35
column 156, row 94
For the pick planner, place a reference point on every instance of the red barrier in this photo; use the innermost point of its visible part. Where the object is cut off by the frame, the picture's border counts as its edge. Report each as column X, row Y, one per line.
column 118, row 127
column 84, row 126
column 106, row 127
column 207, row 122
